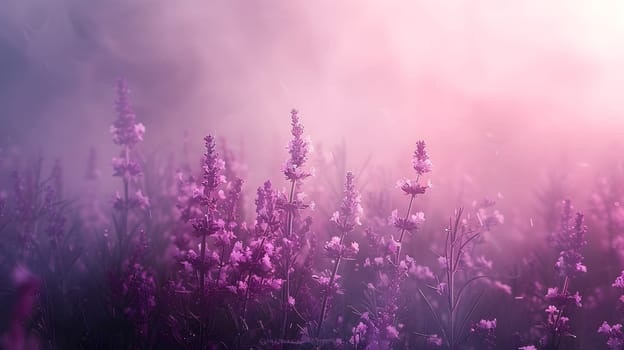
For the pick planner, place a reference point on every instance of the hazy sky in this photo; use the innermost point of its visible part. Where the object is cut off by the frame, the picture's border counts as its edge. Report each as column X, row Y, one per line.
column 501, row 90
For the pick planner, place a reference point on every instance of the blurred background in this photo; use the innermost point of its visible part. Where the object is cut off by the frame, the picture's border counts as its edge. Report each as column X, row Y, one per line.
column 509, row 95
column 518, row 102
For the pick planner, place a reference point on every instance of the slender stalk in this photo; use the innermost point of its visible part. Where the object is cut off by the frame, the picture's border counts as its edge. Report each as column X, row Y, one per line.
column 331, row 283
column 407, row 214
column 555, row 340
column 124, row 218
column 248, row 281
column 123, row 230
column 452, row 257
column 286, row 290
column 202, row 269
column 221, row 264
column 451, row 286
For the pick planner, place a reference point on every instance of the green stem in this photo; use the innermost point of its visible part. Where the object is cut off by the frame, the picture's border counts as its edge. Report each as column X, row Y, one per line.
column 331, row 283
column 202, row 270
column 286, row 291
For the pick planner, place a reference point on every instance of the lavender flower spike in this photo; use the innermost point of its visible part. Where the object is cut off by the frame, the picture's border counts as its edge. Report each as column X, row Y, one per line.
column 350, row 210
column 422, row 163
column 212, row 167
column 126, row 132
column 298, row 148
column 570, row 262
column 345, row 219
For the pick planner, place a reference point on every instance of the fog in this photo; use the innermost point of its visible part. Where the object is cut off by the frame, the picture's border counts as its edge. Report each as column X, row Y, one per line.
column 518, row 102
column 504, row 92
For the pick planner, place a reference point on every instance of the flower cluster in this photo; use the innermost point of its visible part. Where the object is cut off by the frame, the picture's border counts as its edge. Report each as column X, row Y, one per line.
column 345, row 220
column 421, row 162
column 203, row 200
column 485, row 331
column 138, row 289
column 392, row 269
column 350, row 212
column 614, row 334
column 298, row 148
column 374, row 331
column 569, row 239
column 126, row 132
column 336, row 249
column 561, row 299
column 409, row 224
column 220, row 273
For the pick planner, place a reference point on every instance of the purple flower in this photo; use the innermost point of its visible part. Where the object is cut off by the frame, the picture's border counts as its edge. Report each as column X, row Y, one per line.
column 421, row 272
column 298, row 148
column 268, row 219
column 359, row 332
column 335, row 248
column 485, row 331
column 345, row 219
column 614, row 333
column 420, row 161
column 137, row 288
column 127, row 134
column 198, row 205
column 229, row 206
column 125, row 131
column 212, row 167
column 615, row 336
column 392, row 332
column 412, row 189
column 434, row 339
column 188, row 200
column 562, row 299
column 348, row 216
column 125, row 168
column 411, row 224
column 619, row 281
column 570, row 239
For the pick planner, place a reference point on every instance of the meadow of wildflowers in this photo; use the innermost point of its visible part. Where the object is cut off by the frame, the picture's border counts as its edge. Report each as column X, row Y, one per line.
column 187, row 254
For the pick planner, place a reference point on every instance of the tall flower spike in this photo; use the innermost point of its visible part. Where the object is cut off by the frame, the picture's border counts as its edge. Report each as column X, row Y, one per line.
column 212, row 167
column 267, row 213
column 571, row 239
column 346, row 219
column 350, row 210
column 125, row 131
column 298, row 148
column 422, row 163
column 615, row 336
